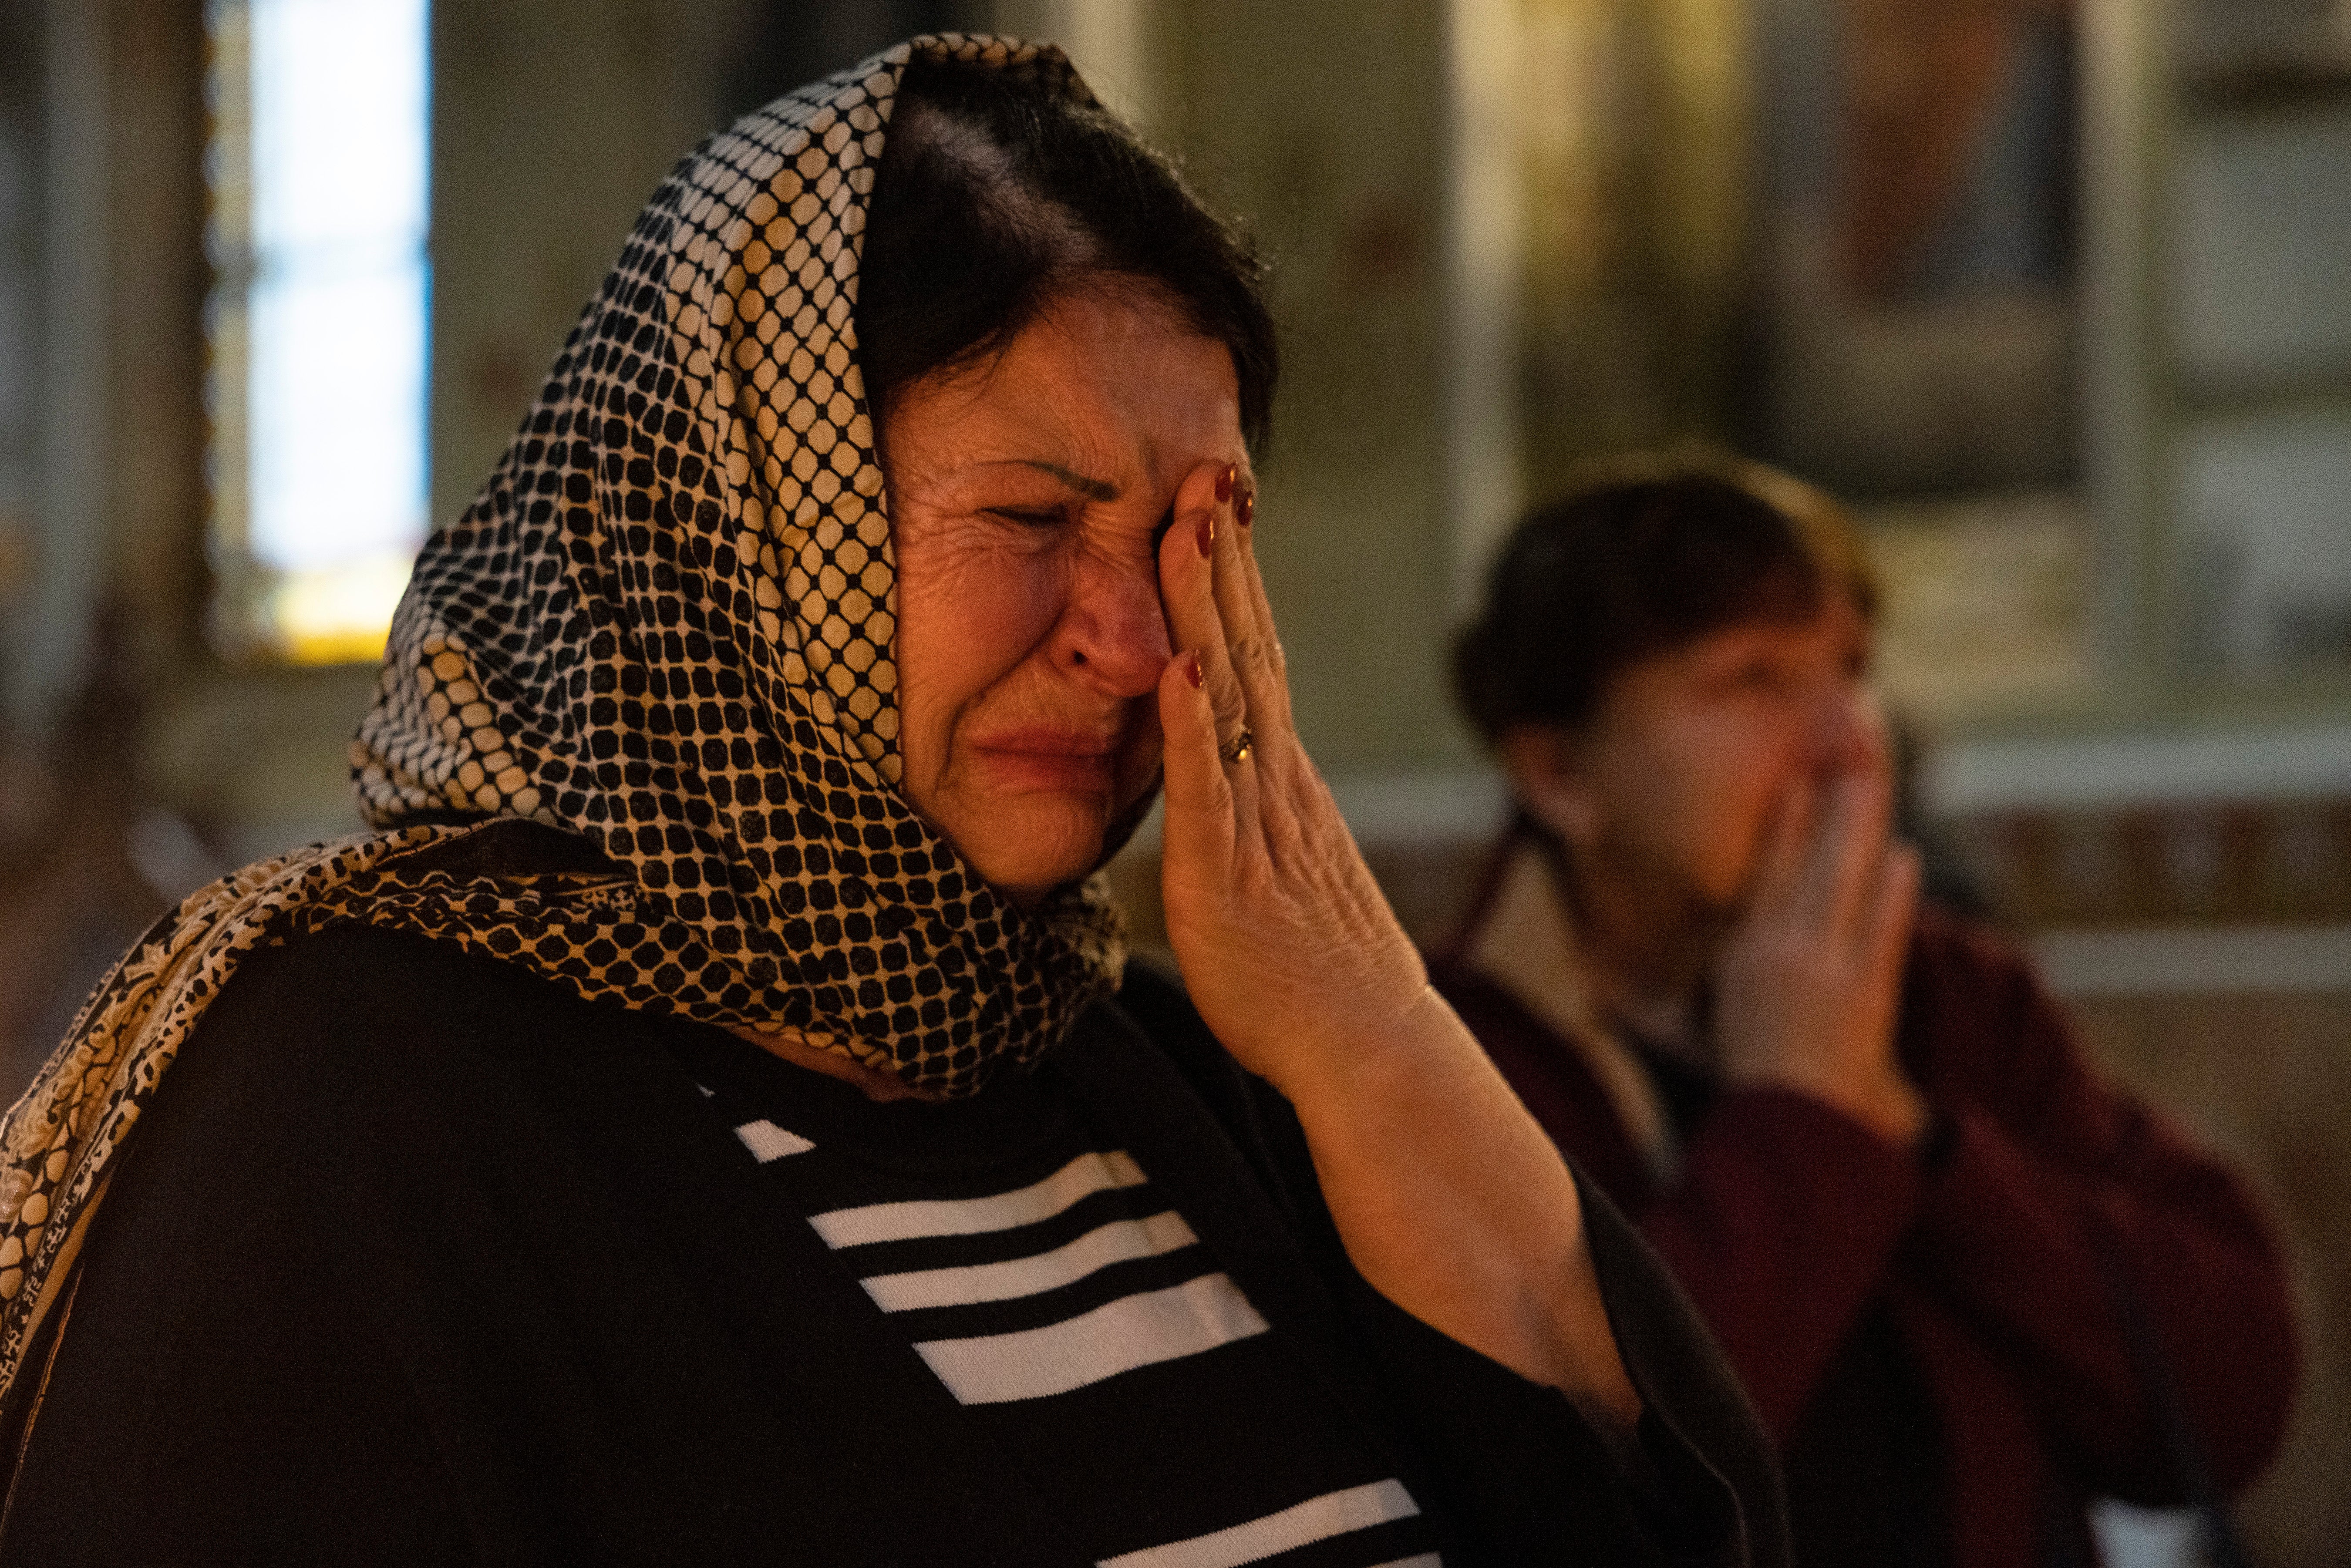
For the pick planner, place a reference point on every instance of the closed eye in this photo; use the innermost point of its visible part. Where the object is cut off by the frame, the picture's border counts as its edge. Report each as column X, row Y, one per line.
column 1758, row 676
column 1031, row 518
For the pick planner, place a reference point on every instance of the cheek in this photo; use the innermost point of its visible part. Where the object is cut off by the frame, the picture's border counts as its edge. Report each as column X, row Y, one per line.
column 1709, row 794
column 967, row 617
column 1746, row 775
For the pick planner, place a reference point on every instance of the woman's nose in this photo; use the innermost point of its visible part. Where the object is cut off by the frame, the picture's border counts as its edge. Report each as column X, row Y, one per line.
column 1113, row 634
column 1848, row 730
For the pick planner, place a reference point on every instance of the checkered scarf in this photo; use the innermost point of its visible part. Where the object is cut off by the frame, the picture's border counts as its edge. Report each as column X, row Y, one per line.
column 666, row 626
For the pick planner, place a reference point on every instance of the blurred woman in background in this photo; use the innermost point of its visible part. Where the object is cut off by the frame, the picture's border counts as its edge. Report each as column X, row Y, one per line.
column 1967, row 1284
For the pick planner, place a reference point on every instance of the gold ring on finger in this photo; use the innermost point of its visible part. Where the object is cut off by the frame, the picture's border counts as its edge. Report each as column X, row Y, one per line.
column 1236, row 750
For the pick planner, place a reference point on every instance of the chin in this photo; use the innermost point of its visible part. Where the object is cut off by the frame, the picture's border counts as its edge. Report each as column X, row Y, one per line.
column 1030, row 845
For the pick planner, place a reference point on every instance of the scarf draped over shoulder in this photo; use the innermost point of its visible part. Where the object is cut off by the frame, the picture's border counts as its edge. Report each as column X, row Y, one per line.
column 637, row 726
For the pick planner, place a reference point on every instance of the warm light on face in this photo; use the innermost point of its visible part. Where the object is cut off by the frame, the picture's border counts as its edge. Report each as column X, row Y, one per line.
column 1026, row 506
column 317, row 326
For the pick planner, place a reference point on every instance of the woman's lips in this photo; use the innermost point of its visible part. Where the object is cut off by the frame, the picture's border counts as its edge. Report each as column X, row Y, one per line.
column 1063, row 761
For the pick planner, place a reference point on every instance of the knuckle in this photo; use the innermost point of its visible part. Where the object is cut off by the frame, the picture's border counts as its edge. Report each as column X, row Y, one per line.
column 1250, row 656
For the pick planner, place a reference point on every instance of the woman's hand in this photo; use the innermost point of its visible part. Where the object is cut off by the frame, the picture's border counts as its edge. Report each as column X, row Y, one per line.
column 1288, row 945
column 1449, row 1197
column 1807, row 988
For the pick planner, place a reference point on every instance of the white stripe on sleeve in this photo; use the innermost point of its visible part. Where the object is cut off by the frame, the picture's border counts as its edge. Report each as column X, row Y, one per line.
column 769, row 1142
column 1118, row 1336
column 1085, row 1175
column 1317, row 1519
column 1116, row 1242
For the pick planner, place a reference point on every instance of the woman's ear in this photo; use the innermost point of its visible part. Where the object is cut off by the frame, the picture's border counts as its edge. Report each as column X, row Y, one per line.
column 1545, row 765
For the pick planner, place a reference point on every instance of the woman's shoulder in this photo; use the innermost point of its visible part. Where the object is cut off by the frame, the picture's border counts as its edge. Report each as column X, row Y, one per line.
column 320, row 997
column 429, row 1226
column 395, row 1039
column 347, row 968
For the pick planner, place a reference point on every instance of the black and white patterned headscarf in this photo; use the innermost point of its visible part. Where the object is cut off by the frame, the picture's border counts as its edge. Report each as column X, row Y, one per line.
column 666, row 626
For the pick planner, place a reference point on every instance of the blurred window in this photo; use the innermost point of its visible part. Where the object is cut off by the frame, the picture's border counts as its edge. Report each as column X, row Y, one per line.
column 318, row 323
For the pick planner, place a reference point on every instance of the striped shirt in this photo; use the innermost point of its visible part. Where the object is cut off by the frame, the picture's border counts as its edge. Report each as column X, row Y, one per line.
column 424, row 1261
column 1088, row 1333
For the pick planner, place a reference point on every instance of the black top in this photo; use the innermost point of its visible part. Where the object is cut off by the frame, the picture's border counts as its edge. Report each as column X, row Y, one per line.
column 1061, row 1297
column 420, row 1260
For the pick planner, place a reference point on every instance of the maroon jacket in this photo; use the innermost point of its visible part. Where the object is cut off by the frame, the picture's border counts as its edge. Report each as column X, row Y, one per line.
column 1787, row 1220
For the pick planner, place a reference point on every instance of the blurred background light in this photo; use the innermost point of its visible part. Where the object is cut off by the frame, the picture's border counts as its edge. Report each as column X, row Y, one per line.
column 319, row 324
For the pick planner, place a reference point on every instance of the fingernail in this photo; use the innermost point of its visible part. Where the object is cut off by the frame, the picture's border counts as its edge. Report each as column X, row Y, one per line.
column 1225, row 482
column 1192, row 670
column 1248, row 504
column 1206, row 537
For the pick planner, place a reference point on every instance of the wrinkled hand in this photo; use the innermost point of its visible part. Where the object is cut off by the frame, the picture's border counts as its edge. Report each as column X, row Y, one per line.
column 1808, row 986
column 1449, row 1199
column 1288, row 945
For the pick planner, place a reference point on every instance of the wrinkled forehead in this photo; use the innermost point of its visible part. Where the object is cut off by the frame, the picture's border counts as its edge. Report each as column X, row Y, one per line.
column 1112, row 382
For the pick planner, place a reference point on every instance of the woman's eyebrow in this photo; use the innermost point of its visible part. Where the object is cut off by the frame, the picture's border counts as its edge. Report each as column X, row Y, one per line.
column 1091, row 489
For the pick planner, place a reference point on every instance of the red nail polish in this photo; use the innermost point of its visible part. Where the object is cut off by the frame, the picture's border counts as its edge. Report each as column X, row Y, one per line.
column 1248, row 504
column 1225, row 482
column 1192, row 670
column 1206, row 537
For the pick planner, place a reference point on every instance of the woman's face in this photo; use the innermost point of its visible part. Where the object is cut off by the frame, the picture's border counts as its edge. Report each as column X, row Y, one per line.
column 1670, row 788
column 1027, row 497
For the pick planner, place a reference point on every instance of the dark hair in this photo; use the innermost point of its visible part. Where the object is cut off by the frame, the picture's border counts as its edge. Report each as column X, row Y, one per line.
column 994, row 195
column 1658, row 554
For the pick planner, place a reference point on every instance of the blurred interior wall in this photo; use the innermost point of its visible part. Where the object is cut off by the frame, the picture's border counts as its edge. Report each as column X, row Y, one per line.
column 552, row 122
column 103, row 604
column 1120, row 47
column 104, row 499
column 1635, row 129
column 51, row 550
column 1323, row 125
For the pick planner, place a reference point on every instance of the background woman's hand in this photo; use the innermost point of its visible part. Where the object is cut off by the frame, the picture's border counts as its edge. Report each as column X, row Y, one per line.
column 1449, row 1199
column 1808, row 988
